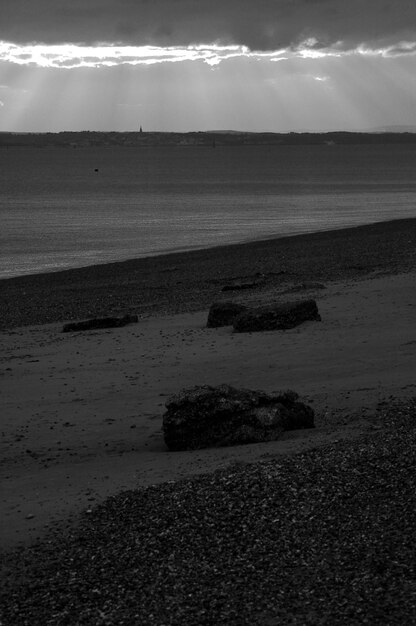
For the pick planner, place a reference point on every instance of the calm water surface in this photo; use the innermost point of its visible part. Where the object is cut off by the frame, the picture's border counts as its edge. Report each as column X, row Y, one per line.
column 57, row 212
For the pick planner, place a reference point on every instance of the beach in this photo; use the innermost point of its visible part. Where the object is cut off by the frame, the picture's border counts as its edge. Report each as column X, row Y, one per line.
column 83, row 412
column 189, row 281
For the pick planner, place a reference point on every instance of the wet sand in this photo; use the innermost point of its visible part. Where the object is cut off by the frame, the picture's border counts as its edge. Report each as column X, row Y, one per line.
column 82, row 412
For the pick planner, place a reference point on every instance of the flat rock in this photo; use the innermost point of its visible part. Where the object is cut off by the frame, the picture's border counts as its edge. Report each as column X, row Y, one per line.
column 206, row 417
column 308, row 286
column 101, row 322
column 224, row 313
column 240, row 286
column 276, row 316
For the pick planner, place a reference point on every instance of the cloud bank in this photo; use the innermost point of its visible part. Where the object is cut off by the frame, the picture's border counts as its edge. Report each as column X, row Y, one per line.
column 259, row 25
column 69, row 56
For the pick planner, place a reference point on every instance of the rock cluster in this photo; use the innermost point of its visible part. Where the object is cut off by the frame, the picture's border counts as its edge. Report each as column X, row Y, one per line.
column 204, row 417
column 101, row 322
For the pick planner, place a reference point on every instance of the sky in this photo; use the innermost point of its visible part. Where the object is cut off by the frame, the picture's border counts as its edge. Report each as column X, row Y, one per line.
column 187, row 65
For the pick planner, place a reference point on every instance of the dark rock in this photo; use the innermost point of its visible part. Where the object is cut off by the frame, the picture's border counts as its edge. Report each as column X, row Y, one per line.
column 103, row 322
column 304, row 287
column 239, row 282
column 224, row 313
column 206, row 417
column 276, row 316
column 239, row 286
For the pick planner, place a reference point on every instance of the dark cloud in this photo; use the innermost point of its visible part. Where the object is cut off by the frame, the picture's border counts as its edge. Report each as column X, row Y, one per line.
column 258, row 24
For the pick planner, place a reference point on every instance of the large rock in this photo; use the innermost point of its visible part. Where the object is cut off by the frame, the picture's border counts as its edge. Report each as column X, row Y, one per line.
column 276, row 316
column 206, row 417
column 101, row 322
column 224, row 313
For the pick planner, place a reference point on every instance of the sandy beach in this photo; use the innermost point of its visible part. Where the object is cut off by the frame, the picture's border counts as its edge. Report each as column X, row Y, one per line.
column 82, row 412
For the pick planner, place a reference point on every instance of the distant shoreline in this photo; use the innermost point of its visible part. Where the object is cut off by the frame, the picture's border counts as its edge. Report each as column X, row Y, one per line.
column 190, row 281
column 84, row 139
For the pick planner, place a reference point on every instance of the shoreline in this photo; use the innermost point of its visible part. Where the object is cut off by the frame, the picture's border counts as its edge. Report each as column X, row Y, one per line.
column 219, row 247
column 199, row 248
column 176, row 251
column 189, row 281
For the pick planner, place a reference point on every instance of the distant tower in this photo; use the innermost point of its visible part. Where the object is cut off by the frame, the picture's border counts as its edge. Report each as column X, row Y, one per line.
column 141, row 129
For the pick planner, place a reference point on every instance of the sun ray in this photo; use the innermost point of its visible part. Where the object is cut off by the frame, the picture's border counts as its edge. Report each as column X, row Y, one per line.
column 204, row 86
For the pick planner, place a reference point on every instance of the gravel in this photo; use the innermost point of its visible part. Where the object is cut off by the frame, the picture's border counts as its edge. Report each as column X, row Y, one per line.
column 323, row 537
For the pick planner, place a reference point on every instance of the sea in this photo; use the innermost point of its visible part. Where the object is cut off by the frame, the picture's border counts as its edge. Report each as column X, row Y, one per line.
column 70, row 207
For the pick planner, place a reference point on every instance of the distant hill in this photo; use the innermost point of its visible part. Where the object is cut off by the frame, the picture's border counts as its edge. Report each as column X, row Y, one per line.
column 85, row 139
column 393, row 129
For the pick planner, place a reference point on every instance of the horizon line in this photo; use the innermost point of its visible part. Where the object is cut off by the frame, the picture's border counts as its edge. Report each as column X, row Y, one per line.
column 399, row 129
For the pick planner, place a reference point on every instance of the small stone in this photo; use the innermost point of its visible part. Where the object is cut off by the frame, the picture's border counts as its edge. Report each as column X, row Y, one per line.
column 97, row 323
column 239, row 286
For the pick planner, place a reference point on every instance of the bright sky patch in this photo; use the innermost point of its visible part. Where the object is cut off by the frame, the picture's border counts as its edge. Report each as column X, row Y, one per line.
column 72, row 56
